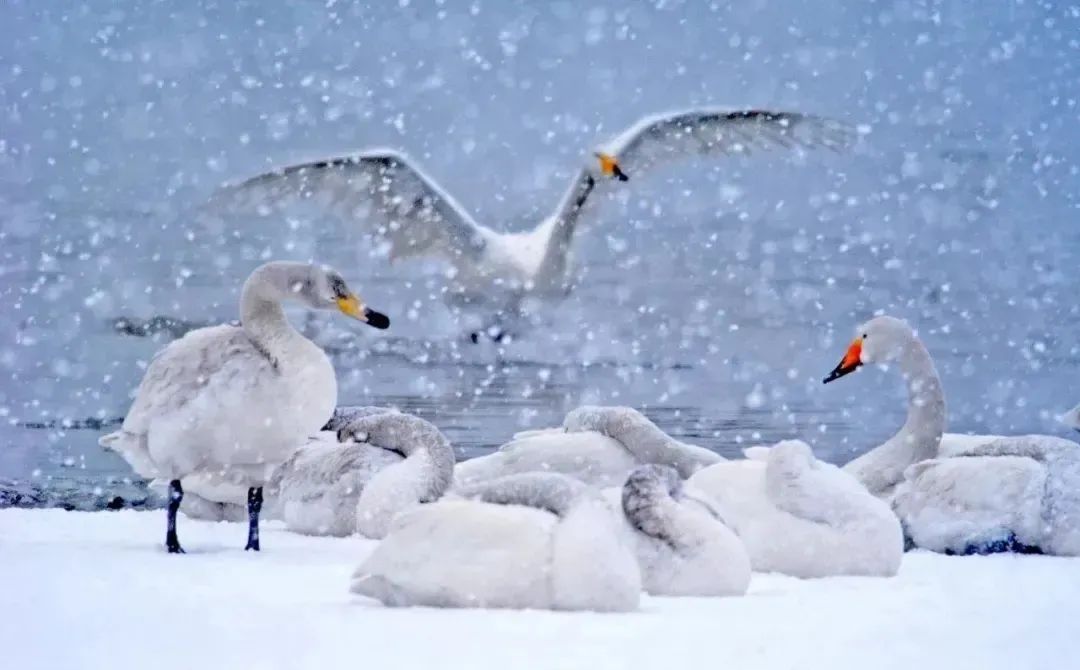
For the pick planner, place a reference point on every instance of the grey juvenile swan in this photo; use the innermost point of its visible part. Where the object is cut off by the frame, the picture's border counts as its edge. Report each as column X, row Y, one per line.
column 389, row 463
column 232, row 402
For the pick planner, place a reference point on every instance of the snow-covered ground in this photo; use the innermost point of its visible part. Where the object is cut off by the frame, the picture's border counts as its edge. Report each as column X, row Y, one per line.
column 96, row 590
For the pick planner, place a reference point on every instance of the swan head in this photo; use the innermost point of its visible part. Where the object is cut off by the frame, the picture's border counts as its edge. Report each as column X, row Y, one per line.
column 323, row 288
column 609, row 166
column 880, row 340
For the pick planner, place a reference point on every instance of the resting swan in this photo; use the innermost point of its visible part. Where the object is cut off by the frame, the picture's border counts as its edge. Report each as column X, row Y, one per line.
column 961, row 493
column 530, row 541
column 597, row 445
column 232, row 402
column 803, row 517
column 389, row 463
column 406, row 210
column 682, row 546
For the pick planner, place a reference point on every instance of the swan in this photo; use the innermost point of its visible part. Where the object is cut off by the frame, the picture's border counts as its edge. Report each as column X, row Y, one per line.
column 232, row 402
column 527, row 541
column 208, row 497
column 962, row 493
column 682, row 547
column 801, row 516
column 411, row 216
column 597, row 445
column 391, row 462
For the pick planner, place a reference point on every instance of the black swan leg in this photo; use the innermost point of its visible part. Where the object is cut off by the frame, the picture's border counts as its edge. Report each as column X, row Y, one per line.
column 176, row 494
column 255, row 501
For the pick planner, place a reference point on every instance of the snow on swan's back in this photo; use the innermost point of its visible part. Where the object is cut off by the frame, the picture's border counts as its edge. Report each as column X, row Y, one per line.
column 597, row 445
column 802, row 517
column 536, row 540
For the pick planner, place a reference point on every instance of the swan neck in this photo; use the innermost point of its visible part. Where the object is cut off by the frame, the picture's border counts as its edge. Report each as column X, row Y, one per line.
column 925, row 422
column 648, row 505
column 881, row 469
column 261, row 314
column 563, row 225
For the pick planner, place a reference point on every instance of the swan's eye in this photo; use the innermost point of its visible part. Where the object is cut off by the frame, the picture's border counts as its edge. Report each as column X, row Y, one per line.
column 864, row 336
column 338, row 287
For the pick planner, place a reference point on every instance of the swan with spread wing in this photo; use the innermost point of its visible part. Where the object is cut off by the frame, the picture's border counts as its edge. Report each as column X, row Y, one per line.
column 407, row 213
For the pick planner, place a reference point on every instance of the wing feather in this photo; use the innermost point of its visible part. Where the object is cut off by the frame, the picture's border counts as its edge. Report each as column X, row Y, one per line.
column 673, row 135
column 381, row 188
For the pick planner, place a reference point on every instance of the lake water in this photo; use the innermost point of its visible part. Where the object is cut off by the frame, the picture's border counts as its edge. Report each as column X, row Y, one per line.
column 714, row 297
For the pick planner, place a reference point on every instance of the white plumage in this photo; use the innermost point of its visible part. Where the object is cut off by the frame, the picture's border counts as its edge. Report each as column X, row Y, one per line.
column 230, row 403
column 536, row 541
column 963, row 493
column 405, row 209
column 389, row 462
column 803, row 517
column 597, row 445
column 682, row 546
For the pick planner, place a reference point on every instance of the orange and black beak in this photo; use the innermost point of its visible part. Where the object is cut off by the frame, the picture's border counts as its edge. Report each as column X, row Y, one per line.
column 609, row 166
column 849, row 363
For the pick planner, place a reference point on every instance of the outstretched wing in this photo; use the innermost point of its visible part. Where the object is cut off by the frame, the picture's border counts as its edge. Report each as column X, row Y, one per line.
column 380, row 188
column 673, row 135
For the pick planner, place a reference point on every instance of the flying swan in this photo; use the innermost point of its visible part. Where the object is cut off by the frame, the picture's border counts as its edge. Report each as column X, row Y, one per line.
column 233, row 402
column 408, row 213
column 528, row 541
column 597, row 445
column 960, row 493
column 389, row 462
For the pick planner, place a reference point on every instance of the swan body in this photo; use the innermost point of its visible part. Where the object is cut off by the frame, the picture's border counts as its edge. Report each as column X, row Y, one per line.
column 597, row 445
column 391, row 462
column 531, row 541
column 803, row 517
column 408, row 213
column 963, row 493
column 229, row 403
column 209, row 498
column 1017, row 493
column 682, row 547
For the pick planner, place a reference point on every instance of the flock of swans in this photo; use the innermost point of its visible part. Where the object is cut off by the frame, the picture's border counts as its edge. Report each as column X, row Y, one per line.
column 586, row 515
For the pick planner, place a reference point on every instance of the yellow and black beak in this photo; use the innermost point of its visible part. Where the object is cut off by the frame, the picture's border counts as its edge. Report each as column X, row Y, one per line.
column 350, row 305
column 609, row 166
column 850, row 363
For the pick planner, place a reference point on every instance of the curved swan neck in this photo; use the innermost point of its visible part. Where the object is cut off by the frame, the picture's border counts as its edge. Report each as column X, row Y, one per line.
column 261, row 313
column 560, row 228
column 429, row 457
column 920, row 436
column 641, row 437
column 647, row 501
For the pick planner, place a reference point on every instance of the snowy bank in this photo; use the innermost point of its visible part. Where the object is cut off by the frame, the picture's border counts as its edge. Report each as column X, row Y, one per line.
column 96, row 590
